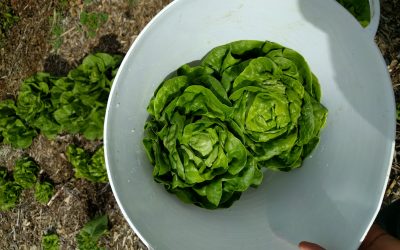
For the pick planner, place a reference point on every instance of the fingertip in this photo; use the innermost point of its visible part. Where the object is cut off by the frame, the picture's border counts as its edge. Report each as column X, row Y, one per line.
column 304, row 245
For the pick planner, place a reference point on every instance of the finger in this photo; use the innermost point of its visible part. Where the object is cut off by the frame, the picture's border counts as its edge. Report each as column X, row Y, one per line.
column 304, row 245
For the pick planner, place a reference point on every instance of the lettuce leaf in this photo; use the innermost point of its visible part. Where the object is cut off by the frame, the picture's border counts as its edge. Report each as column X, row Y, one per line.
column 34, row 104
column 50, row 242
column 13, row 130
column 212, row 127
column 89, row 235
column 86, row 166
column 43, row 191
column 81, row 97
column 73, row 104
column 25, row 172
column 9, row 195
column 360, row 9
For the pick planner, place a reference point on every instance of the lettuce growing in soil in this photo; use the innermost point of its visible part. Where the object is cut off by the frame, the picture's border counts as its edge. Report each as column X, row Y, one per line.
column 90, row 234
column 9, row 195
column 52, row 105
column 248, row 105
column 13, row 130
column 50, row 242
column 43, row 191
column 25, row 172
column 90, row 167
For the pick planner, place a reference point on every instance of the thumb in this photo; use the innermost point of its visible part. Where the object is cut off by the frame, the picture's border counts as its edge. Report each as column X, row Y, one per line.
column 304, row 245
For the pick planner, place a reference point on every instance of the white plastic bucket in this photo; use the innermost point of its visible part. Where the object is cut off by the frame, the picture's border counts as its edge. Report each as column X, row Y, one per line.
column 332, row 200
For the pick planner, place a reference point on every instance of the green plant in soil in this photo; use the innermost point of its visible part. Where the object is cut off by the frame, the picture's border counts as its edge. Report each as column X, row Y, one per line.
column 86, row 166
column 9, row 191
column 87, row 2
column 73, row 104
column 13, row 130
column 25, row 172
column 9, row 194
column 25, row 176
column 132, row 2
column 56, row 30
column 92, row 21
column 89, row 235
column 7, row 19
column 3, row 175
column 50, row 242
column 44, row 191
column 63, row 4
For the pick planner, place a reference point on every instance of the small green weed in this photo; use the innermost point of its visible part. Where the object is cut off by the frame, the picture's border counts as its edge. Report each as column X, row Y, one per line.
column 90, row 234
column 50, row 242
column 56, row 30
column 131, row 2
column 7, row 20
column 44, row 191
column 63, row 4
column 87, row 2
column 92, row 21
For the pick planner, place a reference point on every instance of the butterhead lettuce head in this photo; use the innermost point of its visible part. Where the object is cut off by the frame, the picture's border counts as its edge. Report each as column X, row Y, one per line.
column 212, row 127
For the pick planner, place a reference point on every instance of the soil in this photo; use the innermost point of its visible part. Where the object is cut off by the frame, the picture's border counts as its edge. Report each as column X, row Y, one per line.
column 388, row 40
column 29, row 48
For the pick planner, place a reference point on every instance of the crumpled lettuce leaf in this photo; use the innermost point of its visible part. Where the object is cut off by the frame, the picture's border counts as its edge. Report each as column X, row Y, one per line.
column 89, row 235
column 212, row 127
column 9, row 194
column 360, row 9
column 3, row 175
column 25, row 172
column 13, row 130
column 81, row 97
column 43, row 191
column 90, row 167
column 34, row 104
column 73, row 104
column 50, row 242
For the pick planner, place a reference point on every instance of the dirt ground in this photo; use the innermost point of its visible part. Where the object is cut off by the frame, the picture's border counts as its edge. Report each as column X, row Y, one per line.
column 29, row 48
column 388, row 40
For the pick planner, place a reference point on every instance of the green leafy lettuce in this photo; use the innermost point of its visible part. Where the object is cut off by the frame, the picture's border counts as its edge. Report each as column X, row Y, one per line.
column 9, row 191
column 25, row 172
column 50, row 242
column 89, row 235
column 81, row 97
column 3, row 175
column 7, row 20
column 73, row 104
column 34, row 104
column 212, row 127
column 92, row 21
column 43, row 191
column 24, row 176
column 90, row 167
column 13, row 130
column 9, row 194
column 360, row 9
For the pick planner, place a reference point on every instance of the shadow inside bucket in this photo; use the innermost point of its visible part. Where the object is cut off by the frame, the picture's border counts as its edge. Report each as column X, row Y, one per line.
column 357, row 142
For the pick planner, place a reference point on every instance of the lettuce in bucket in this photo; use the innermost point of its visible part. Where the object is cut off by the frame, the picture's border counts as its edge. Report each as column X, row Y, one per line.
column 248, row 105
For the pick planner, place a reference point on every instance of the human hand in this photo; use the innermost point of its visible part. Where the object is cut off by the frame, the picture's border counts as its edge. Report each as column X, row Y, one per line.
column 304, row 245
